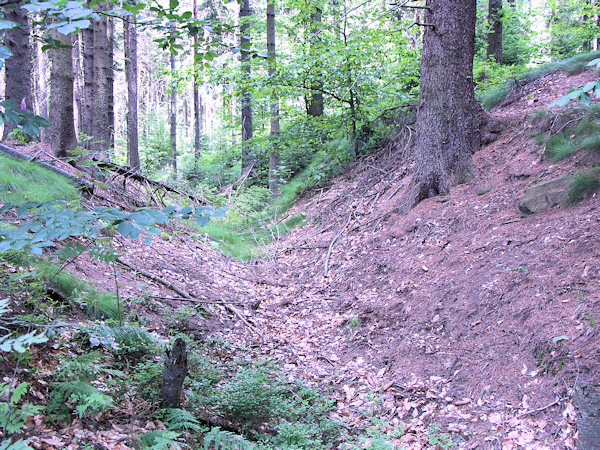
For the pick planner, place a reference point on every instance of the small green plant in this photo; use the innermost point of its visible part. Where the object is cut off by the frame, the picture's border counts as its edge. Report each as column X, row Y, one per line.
column 160, row 440
column 353, row 322
column 510, row 268
column 77, row 396
column 225, row 440
column 582, row 185
column 439, row 439
column 13, row 415
column 126, row 340
column 180, row 419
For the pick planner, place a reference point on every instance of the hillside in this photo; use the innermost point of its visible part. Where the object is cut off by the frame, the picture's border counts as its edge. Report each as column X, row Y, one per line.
column 447, row 323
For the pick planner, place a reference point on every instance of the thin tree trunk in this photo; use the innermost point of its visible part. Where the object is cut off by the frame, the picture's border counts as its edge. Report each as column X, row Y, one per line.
column 18, row 66
column 275, row 130
column 315, row 105
column 448, row 116
column 197, row 99
column 62, row 131
column 111, row 84
column 494, row 49
column 245, row 13
column 78, row 85
column 41, row 85
column 173, row 103
column 131, row 74
column 102, row 97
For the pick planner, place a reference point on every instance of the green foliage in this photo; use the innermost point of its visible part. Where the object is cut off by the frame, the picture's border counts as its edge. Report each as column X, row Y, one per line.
column 18, row 344
column 17, row 445
column 23, row 181
column 146, row 378
column 571, row 65
column 126, row 340
column 13, row 415
column 47, row 224
column 160, row 440
column 572, row 25
column 582, row 185
column 437, row 439
column 180, row 419
column 580, row 132
column 225, row 440
column 78, row 396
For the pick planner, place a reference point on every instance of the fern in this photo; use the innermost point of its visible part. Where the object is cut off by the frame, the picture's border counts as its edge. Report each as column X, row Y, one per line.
column 160, row 440
column 180, row 419
column 225, row 440
column 13, row 417
column 85, row 398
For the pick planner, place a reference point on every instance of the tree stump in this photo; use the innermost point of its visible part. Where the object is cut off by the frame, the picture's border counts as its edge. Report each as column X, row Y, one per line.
column 174, row 374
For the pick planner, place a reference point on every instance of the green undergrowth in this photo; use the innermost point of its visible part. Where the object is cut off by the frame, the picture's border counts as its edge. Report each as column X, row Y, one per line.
column 255, row 219
column 22, row 181
column 584, row 184
column 493, row 92
column 578, row 129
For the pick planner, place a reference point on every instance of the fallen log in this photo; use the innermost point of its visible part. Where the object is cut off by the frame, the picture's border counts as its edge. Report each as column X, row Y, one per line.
column 130, row 173
column 83, row 184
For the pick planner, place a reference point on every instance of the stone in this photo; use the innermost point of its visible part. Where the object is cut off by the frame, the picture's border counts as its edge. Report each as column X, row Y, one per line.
column 546, row 195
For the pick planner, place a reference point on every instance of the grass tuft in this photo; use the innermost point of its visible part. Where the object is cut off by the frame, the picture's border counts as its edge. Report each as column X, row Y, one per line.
column 582, row 185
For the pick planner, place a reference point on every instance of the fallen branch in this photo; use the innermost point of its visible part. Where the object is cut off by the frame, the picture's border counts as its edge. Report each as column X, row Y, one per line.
column 326, row 269
column 160, row 280
column 254, row 280
column 83, row 184
column 129, row 173
column 193, row 300
column 531, row 411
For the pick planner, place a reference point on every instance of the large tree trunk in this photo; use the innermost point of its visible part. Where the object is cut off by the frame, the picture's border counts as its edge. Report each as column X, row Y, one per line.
column 102, row 95
column 494, row 49
column 87, row 107
column 275, row 130
column 61, row 133
column 173, row 118
column 133, row 156
column 448, row 116
column 245, row 13
column 18, row 66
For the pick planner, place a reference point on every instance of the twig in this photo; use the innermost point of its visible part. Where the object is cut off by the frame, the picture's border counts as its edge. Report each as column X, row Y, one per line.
column 326, row 269
column 531, row 411
column 184, row 299
column 243, row 319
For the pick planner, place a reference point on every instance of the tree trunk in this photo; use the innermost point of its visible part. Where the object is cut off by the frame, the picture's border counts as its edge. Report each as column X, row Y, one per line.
column 61, row 133
column 494, row 49
column 41, row 91
column 448, row 116
column 173, row 103
column 275, row 130
column 102, row 94
column 111, row 84
column 197, row 100
column 18, row 66
column 315, row 106
column 133, row 157
column 87, row 107
column 245, row 13
column 174, row 374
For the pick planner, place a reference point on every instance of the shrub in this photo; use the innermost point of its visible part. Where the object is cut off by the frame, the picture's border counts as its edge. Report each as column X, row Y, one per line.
column 582, row 185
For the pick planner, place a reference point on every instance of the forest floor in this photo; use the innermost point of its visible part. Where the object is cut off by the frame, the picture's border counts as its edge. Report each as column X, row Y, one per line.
column 446, row 317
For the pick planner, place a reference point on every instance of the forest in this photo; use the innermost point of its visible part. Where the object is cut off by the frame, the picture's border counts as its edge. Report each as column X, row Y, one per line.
column 292, row 224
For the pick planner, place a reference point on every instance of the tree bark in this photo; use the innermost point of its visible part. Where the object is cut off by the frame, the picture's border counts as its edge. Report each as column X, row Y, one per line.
column 494, row 48
column 173, row 118
column 133, row 156
column 174, row 374
column 102, row 93
column 315, row 105
column 197, row 100
column 275, row 129
column 448, row 116
column 87, row 37
column 18, row 66
column 61, row 133
column 247, row 131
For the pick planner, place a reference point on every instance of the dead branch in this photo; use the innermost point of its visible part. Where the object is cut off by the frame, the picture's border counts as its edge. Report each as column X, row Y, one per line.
column 129, row 173
column 326, row 269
